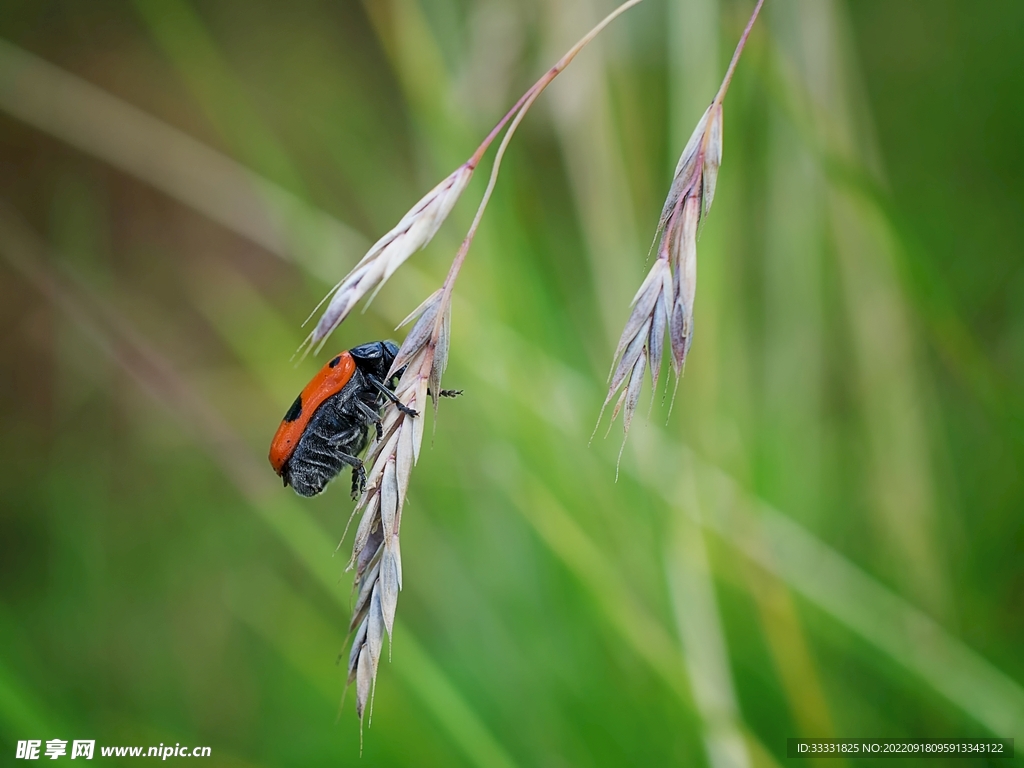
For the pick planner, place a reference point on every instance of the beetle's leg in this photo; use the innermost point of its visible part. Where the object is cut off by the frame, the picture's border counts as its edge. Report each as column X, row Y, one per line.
column 358, row 481
column 390, row 395
column 346, row 436
column 358, row 471
column 371, row 416
column 448, row 392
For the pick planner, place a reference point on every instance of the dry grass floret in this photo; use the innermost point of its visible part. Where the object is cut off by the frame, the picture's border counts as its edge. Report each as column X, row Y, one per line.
column 416, row 229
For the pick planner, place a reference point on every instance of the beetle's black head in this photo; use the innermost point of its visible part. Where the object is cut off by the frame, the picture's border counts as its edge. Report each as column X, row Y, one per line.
column 375, row 357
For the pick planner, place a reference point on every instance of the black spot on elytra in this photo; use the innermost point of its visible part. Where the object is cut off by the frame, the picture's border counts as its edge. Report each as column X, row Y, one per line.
column 335, row 361
column 295, row 411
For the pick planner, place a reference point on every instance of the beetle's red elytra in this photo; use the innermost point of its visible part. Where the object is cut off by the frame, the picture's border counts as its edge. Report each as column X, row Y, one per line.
column 328, row 381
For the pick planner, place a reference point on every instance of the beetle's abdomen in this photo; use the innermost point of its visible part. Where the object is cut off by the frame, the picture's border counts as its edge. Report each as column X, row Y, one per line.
column 336, row 433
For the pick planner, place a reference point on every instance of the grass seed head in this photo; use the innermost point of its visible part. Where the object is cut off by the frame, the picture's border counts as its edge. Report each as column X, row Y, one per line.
column 376, row 553
column 664, row 302
column 413, row 232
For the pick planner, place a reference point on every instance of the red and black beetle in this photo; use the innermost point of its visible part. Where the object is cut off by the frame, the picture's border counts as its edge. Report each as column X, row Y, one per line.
column 328, row 425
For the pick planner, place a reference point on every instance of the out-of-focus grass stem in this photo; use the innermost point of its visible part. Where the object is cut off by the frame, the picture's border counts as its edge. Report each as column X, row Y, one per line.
column 698, row 623
column 63, row 105
column 181, row 33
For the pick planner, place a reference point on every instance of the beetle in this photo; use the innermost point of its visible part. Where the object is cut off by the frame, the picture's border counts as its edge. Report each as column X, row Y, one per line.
column 328, row 425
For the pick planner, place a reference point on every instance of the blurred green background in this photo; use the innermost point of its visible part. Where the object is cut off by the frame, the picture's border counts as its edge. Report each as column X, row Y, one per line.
column 825, row 538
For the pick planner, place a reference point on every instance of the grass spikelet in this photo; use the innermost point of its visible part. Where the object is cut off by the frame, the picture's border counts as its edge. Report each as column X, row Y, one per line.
column 416, row 229
column 376, row 554
column 664, row 302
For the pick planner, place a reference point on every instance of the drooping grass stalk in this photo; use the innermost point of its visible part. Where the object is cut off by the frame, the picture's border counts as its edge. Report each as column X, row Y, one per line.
column 418, row 227
column 545, row 80
column 664, row 302
column 720, row 96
